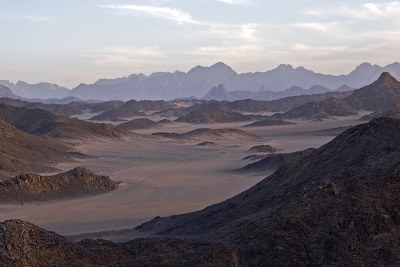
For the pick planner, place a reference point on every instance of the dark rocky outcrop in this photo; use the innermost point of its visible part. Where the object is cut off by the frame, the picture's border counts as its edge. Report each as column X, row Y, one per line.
column 74, row 183
column 24, row 244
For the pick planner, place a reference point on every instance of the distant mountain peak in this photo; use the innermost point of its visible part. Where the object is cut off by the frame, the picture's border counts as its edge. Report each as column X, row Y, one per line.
column 285, row 67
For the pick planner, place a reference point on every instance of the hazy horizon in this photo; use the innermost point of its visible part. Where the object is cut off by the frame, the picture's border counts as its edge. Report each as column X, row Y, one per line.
column 75, row 42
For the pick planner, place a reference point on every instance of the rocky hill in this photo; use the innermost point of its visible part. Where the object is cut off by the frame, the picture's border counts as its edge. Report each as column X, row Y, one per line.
column 23, row 152
column 381, row 95
column 43, row 123
column 269, row 122
column 263, row 149
column 211, row 134
column 133, row 108
column 214, row 116
column 138, row 124
column 74, row 183
column 330, row 107
column 24, row 244
column 338, row 205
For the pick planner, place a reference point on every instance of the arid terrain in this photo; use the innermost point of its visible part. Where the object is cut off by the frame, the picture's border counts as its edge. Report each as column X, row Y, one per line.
column 162, row 176
column 194, row 182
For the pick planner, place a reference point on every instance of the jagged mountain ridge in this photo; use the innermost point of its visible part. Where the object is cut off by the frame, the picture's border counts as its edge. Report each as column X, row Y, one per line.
column 198, row 81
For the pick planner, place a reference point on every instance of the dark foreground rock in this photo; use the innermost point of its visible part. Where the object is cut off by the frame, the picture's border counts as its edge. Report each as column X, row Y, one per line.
column 24, row 244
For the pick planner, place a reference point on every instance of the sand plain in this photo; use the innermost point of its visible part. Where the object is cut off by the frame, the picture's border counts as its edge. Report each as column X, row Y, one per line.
column 161, row 177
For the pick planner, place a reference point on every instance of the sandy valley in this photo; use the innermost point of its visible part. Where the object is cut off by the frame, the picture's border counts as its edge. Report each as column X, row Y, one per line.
column 161, row 176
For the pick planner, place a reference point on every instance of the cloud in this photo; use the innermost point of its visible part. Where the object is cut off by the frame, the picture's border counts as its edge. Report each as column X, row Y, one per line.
column 316, row 26
column 167, row 13
column 234, row 2
column 372, row 11
column 127, row 56
column 367, row 11
column 30, row 18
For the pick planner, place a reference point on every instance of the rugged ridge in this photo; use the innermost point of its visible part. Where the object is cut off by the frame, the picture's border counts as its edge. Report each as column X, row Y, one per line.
column 310, row 211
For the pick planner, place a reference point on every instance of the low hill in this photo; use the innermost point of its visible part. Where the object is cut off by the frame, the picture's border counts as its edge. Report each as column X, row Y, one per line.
column 382, row 95
column 74, row 183
column 23, row 152
column 263, row 149
column 133, row 108
column 43, row 123
column 269, row 122
column 214, row 116
column 338, row 205
column 330, row 107
column 24, row 244
column 272, row 162
column 211, row 134
column 138, row 124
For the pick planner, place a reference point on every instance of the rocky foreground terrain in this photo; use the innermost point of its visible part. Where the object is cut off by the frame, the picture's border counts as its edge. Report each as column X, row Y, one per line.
column 23, row 244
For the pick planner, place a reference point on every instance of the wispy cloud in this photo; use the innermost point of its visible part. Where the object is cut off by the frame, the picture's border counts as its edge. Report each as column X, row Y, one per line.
column 234, row 2
column 367, row 11
column 166, row 13
column 127, row 56
column 30, row 18
column 316, row 26
column 373, row 11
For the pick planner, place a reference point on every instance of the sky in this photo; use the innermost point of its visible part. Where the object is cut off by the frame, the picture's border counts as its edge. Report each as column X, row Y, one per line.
column 72, row 41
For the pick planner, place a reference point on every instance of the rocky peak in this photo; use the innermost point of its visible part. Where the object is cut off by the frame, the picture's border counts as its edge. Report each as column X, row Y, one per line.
column 387, row 79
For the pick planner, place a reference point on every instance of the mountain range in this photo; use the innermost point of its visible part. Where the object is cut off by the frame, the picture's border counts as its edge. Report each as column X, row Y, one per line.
column 198, row 81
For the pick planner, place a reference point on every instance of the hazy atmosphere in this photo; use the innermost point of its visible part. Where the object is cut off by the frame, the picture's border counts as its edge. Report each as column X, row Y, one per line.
column 69, row 42
column 227, row 133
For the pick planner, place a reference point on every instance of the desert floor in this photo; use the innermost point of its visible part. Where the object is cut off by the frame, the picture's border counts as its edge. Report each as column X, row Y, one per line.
column 161, row 177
